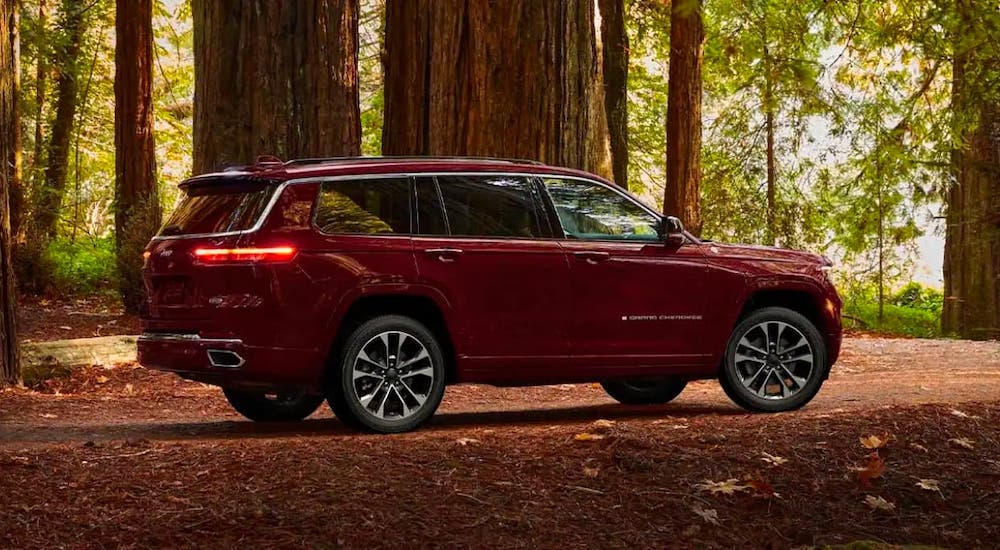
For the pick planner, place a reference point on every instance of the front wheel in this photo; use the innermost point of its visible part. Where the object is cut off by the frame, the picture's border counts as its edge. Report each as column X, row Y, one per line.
column 775, row 361
column 645, row 392
column 261, row 406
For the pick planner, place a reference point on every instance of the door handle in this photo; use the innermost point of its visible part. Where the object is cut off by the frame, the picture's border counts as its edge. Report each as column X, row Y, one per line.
column 592, row 257
column 446, row 255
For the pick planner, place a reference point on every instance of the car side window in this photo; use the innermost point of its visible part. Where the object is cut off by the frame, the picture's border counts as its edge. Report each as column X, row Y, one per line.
column 361, row 206
column 589, row 211
column 430, row 214
column 490, row 206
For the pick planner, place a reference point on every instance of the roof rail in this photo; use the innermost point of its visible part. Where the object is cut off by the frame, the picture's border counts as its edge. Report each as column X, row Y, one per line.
column 333, row 160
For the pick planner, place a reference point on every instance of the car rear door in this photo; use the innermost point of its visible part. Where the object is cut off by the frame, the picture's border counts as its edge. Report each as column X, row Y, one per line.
column 639, row 302
column 489, row 251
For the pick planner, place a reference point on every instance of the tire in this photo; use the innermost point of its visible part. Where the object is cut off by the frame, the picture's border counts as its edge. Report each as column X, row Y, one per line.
column 390, row 376
column 642, row 392
column 785, row 378
column 262, row 406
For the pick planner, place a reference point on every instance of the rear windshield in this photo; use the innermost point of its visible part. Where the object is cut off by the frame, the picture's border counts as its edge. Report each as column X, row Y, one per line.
column 218, row 208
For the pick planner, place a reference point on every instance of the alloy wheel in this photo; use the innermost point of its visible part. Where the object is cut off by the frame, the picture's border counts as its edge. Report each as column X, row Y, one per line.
column 774, row 360
column 392, row 375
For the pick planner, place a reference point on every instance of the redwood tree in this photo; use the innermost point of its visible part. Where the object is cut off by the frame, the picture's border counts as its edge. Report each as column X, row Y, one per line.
column 137, row 204
column 274, row 78
column 9, row 164
column 687, row 39
column 972, row 237
column 614, row 44
column 518, row 78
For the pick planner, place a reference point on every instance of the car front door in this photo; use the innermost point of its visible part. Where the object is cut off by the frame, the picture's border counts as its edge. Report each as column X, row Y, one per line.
column 490, row 251
column 639, row 302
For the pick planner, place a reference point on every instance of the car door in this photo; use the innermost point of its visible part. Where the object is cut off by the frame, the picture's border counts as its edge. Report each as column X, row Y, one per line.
column 489, row 251
column 638, row 301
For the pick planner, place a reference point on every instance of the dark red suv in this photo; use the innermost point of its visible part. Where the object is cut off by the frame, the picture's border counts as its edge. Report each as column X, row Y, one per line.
column 375, row 282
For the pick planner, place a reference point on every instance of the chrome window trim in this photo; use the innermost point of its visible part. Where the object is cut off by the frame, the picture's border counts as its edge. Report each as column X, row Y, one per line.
column 320, row 179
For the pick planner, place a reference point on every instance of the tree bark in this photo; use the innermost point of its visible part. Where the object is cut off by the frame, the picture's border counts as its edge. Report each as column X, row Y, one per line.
column 275, row 79
column 48, row 201
column 972, row 235
column 41, row 84
column 137, row 204
column 687, row 37
column 615, row 50
column 9, row 176
column 518, row 78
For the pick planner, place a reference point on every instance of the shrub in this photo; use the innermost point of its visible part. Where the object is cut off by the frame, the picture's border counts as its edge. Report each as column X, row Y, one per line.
column 83, row 266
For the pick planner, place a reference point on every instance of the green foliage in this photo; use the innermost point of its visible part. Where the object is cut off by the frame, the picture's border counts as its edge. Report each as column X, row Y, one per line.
column 915, row 311
column 82, row 267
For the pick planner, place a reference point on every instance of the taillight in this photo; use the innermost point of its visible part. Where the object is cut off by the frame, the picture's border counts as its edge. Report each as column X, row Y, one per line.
column 275, row 254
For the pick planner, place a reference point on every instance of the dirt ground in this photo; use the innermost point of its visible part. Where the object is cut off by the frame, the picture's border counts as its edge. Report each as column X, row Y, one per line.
column 129, row 457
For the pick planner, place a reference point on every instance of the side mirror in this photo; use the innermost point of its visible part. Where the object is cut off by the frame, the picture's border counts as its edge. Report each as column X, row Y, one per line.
column 672, row 231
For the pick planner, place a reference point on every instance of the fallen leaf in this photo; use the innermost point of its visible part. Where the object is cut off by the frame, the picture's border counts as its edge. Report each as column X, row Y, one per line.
column 958, row 413
column 49, row 415
column 872, row 442
column 762, row 488
column 590, row 471
column 963, row 442
column 919, row 447
column 66, row 327
column 587, row 436
column 728, row 487
column 102, row 379
column 773, row 460
column 463, row 441
column 929, row 485
column 879, row 503
column 709, row 515
column 603, row 424
column 872, row 470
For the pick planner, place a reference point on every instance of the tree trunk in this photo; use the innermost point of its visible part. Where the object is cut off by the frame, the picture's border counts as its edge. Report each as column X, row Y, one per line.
column 275, row 79
column 9, row 165
column 687, row 37
column 615, row 48
column 48, row 201
column 41, row 83
column 137, row 204
column 518, row 78
column 972, row 238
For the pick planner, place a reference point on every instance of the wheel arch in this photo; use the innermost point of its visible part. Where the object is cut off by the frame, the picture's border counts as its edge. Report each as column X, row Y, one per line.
column 425, row 307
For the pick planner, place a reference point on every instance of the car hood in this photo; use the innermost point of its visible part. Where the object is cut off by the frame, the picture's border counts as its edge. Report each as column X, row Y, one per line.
column 764, row 253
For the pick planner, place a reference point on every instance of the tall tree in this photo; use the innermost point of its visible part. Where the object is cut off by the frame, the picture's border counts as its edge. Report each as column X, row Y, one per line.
column 972, row 238
column 687, row 38
column 49, row 195
column 518, row 78
column 137, row 203
column 275, row 78
column 9, row 167
column 615, row 50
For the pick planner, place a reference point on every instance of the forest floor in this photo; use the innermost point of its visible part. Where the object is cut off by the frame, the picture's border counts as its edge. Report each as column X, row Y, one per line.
column 124, row 456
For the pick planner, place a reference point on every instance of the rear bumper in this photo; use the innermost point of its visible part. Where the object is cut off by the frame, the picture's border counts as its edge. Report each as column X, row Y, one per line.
column 229, row 361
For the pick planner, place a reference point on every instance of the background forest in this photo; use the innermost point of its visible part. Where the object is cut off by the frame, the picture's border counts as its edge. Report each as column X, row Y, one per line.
column 832, row 125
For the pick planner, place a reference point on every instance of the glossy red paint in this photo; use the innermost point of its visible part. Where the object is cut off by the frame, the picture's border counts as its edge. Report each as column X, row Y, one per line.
column 513, row 311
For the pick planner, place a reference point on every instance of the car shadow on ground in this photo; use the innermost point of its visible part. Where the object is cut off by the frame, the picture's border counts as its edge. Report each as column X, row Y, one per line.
column 443, row 422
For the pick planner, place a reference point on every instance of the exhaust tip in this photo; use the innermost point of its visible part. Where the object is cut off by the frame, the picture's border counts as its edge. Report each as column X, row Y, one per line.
column 225, row 359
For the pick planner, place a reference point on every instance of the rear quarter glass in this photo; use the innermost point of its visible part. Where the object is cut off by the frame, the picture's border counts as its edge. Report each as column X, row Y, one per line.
column 210, row 208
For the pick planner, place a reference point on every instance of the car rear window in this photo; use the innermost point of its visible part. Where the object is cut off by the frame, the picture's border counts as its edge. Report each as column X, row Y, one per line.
column 219, row 208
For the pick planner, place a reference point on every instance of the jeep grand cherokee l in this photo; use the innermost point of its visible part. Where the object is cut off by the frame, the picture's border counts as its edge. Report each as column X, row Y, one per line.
column 373, row 283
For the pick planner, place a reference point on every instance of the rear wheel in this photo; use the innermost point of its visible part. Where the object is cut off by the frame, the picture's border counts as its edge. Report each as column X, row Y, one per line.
column 775, row 361
column 645, row 392
column 273, row 406
column 391, row 376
